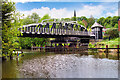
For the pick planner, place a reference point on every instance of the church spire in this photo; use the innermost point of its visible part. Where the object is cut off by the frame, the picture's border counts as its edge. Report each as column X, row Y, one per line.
column 74, row 15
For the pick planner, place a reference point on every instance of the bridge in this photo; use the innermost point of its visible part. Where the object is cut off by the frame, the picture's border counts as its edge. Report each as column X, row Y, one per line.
column 55, row 30
column 63, row 32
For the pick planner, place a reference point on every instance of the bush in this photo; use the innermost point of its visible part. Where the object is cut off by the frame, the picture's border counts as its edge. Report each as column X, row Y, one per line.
column 91, row 45
column 105, row 37
column 113, row 33
column 116, row 26
column 108, row 26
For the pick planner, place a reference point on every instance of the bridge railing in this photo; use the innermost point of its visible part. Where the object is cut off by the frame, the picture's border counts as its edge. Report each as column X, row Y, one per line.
column 58, row 31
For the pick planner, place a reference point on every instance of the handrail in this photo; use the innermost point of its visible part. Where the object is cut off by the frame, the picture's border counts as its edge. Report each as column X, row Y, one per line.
column 57, row 31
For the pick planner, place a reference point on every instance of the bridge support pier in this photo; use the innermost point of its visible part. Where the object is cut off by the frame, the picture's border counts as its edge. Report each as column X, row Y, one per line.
column 51, row 44
column 79, row 44
column 55, row 45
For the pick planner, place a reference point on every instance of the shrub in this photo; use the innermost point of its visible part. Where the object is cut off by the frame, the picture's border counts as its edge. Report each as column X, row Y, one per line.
column 91, row 45
column 113, row 33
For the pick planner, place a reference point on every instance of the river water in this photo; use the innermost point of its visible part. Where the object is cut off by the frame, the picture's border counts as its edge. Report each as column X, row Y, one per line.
column 52, row 65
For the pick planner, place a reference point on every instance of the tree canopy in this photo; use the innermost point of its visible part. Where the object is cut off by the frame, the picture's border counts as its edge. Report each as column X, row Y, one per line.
column 10, row 23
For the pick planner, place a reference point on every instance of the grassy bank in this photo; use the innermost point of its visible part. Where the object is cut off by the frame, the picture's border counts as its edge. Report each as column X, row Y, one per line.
column 111, row 43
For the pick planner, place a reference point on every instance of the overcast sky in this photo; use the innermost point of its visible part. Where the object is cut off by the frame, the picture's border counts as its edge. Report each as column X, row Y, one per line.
column 61, row 9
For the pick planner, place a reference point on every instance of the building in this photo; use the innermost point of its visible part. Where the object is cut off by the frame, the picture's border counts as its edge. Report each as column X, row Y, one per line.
column 97, row 30
column 118, row 24
column 74, row 15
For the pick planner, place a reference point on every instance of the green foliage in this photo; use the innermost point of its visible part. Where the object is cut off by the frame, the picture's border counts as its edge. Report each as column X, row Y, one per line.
column 81, row 23
column 107, row 20
column 27, row 43
column 53, row 45
column 100, row 21
column 35, row 17
column 8, row 10
column 27, row 20
column 111, row 43
column 91, row 21
column 116, row 26
column 113, row 33
column 78, row 18
column 91, row 45
column 67, row 19
column 108, row 25
column 115, row 20
column 73, row 18
column 84, row 18
column 44, row 17
column 106, row 37
column 11, row 23
column 63, row 44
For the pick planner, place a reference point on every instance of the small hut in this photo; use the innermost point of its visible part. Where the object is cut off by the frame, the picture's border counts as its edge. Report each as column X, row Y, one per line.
column 97, row 30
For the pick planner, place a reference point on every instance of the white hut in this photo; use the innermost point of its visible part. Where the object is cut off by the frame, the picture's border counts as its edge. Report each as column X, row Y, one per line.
column 97, row 30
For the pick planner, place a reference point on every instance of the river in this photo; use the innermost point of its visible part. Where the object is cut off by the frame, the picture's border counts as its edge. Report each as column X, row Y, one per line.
column 52, row 65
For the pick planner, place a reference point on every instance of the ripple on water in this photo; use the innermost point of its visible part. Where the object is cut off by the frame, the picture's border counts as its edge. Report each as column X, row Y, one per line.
column 69, row 66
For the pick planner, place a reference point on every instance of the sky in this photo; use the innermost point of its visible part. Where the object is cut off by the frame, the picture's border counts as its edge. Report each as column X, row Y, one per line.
column 65, row 9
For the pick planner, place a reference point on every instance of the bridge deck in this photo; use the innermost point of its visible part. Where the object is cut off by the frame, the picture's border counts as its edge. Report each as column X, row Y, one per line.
column 48, row 32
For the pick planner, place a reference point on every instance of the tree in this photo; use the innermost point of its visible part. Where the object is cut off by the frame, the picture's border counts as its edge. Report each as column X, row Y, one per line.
column 115, row 20
column 8, row 9
column 62, row 19
column 100, row 21
column 10, row 23
column 35, row 17
column 27, row 43
column 108, row 25
column 85, row 23
column 91, row 21
column 46, row 16
column 107, row 20
column 67, row 19
column 83, row 17
column 81, row 23
column 116, row 26
column 78, row 18
column 27, row 20
column 113, row 33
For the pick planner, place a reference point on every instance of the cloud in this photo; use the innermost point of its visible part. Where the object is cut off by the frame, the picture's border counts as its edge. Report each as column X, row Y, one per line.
column 115, row 13
column 23, row 1
column 86, row 10
column 54, row 13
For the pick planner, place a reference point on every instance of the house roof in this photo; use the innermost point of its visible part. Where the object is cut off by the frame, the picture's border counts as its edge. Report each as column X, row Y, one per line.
column 96, row 25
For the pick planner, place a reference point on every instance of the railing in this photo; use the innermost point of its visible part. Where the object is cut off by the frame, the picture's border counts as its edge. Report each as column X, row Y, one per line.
column 53, row 31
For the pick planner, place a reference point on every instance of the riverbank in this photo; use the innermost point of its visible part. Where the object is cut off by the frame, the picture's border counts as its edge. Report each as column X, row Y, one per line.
column 111, row 43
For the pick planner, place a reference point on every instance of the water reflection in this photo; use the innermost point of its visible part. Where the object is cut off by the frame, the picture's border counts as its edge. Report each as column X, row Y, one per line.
column 50, row 65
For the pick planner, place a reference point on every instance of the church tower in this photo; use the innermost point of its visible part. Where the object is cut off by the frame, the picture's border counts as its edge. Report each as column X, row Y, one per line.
column 74, row 15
